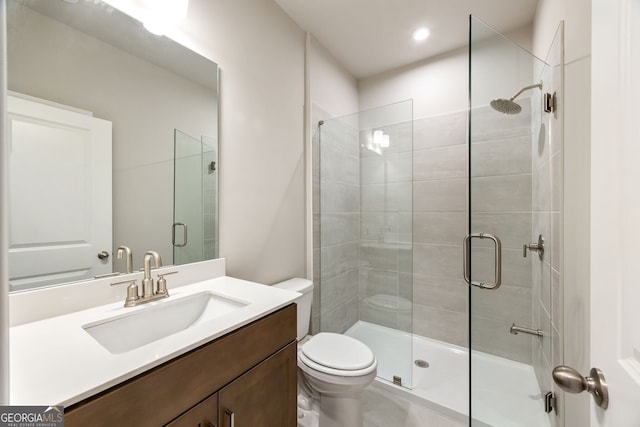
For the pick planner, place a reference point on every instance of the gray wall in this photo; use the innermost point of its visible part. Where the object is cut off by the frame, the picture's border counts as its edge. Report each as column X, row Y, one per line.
column 547, row 220
column 386, row 224
column 339, row 224
column 440, row 224
column 433, row 224
column 501, row 197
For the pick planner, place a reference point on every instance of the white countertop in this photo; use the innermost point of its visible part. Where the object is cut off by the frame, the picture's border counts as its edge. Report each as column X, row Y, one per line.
column 56, row 362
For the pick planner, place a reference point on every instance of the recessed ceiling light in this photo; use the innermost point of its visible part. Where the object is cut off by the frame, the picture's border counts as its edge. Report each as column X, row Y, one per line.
column 421, row 34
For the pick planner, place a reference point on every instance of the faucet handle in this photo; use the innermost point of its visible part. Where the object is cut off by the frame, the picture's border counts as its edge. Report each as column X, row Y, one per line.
column 132, row 292
column 162, row 283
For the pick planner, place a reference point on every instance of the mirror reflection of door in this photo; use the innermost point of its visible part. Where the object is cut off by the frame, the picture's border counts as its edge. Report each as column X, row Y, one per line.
column 60, row 192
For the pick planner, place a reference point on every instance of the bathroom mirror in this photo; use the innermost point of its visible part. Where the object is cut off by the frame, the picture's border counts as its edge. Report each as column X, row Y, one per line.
column 113, row 134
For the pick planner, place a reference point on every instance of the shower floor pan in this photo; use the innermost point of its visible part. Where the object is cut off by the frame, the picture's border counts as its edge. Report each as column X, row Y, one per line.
column 506, row 393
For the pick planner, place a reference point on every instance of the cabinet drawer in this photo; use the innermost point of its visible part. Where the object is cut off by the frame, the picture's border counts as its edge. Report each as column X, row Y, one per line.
column 156, row 397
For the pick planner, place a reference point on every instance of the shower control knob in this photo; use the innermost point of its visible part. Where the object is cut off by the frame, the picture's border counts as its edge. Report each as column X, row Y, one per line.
column 535, row 247
column 570, row 380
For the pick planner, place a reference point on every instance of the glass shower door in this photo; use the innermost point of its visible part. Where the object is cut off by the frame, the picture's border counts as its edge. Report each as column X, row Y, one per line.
column 508, row 252
column 187, row 231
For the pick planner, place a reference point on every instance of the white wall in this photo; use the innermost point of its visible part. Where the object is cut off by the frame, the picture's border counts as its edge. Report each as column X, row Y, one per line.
column 334, row 91
column 260, row 51
column 437, row 85
column 4, row 225
column 577, row 16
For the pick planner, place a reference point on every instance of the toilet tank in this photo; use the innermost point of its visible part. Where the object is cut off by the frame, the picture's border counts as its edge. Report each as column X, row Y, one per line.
column 303, row 302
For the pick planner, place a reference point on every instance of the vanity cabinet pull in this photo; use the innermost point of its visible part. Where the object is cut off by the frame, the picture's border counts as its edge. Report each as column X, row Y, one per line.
column 232, row 416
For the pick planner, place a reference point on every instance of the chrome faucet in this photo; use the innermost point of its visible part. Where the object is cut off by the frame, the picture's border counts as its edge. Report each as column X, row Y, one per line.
column 124, row 250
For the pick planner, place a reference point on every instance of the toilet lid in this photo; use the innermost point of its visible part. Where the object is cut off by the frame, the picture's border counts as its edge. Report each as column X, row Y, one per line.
column 338, row 352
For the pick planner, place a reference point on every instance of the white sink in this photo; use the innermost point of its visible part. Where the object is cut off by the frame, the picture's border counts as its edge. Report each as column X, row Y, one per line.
column 128, row 331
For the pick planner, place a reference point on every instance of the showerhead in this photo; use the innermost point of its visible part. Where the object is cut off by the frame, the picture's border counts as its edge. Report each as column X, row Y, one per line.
column 509, row 106
column 506, row 106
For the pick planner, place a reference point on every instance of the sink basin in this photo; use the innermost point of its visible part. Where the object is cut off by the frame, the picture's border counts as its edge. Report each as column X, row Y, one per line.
column 129, row 331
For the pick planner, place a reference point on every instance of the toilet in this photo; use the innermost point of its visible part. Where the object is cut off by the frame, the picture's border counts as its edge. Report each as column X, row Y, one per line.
column 334, row 367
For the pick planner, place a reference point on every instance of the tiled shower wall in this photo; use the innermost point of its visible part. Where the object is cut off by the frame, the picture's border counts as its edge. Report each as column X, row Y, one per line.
column 386, row 228
column 336, row 226
column 439, row 226
column 501, row 197
column 547, row 304
column 210, row 198
column 367, row 258
column 547, row 219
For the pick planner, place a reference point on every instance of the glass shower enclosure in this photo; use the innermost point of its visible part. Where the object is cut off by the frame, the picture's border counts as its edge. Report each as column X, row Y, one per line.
column 512, row 251
column 363, row 217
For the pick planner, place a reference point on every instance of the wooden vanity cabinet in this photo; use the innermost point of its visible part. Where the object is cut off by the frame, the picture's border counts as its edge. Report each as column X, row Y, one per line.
column 204, row 414
column 248, row 375
column 264, row 396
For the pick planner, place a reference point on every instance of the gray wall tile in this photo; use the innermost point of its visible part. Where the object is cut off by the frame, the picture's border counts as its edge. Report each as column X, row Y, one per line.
column 513, row 229
column 492, row 336
column 437, row 262
column 488, row 124
column 510, row 193
column 440, row 196
column 441, row 131
column 439, row 227
column 501, row 157
column 440, row 163
column 446, row 294
column 439, row 324
column 516, row 270
column 510, row 304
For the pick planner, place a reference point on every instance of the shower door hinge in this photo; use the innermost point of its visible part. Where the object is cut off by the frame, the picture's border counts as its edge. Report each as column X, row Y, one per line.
column 549, row 102
column 549, row 402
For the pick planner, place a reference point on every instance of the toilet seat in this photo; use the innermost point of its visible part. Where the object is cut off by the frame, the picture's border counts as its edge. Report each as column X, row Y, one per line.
column 337, row 354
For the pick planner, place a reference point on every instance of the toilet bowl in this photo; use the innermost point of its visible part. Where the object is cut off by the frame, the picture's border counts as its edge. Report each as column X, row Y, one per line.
column 334, row 367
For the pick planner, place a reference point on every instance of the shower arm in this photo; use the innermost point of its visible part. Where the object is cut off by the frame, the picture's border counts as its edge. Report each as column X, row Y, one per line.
column 539, row 86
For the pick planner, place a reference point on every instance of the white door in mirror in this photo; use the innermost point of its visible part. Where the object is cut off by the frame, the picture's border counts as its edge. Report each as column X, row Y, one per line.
column 60, row 191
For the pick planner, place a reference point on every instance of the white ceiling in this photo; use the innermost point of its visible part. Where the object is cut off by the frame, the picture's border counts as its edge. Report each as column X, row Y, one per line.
column 372, row 36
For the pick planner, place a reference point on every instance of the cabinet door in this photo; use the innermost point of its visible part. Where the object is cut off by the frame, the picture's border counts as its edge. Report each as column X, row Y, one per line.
column 263, row 397
column 204, row 414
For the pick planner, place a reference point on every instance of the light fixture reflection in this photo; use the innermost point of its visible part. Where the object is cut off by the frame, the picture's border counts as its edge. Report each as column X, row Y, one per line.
column 379, row 140
column 162, row 14
column 157, row 16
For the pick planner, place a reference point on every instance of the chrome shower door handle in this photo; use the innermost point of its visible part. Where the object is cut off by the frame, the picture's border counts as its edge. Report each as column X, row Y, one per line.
column 173, row 235
column 498, row 260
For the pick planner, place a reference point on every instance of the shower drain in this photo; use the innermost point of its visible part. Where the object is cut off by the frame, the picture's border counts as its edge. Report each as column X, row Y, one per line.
column 421, row 363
